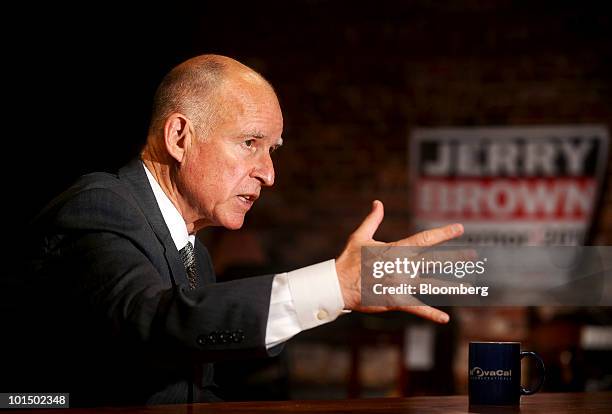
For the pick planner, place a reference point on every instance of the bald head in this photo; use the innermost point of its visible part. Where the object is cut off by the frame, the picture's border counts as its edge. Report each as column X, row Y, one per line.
column 196, row 89
column 215, row 124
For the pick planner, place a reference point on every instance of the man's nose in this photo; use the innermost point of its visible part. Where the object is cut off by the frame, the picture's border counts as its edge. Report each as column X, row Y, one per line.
column 264, row 170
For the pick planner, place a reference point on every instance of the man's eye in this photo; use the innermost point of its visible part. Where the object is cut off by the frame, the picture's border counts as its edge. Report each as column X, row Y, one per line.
column 249, row 143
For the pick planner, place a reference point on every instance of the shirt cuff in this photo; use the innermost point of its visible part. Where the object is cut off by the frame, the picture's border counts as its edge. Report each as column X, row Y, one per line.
column 303, row 299
column 316, row 294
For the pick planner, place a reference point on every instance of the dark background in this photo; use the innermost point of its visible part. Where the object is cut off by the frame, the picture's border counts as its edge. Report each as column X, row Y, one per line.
column 353, row 78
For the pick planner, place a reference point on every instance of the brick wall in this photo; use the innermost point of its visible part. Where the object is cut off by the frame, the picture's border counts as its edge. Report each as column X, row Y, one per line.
column 353, row 79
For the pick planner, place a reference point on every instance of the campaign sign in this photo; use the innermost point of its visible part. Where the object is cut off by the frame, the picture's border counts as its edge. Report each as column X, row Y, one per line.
column 509, row 185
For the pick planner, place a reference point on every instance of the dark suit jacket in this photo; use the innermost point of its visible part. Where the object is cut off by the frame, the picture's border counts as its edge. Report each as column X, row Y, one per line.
column 109, row 317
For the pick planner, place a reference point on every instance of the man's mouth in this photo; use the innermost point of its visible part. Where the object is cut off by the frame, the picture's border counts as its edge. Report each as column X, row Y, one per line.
column 248, row 198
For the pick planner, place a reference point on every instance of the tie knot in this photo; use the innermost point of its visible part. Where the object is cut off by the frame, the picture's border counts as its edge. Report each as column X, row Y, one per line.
column 187, row 253
column 188, row 258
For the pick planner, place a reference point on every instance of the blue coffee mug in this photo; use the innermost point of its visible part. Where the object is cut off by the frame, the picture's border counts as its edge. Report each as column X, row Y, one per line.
column 495, row 373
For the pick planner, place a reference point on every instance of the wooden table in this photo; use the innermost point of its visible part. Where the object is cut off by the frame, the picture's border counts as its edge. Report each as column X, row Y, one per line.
column 593, row 403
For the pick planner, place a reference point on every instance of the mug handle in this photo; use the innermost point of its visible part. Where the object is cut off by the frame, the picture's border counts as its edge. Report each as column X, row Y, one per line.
column 541, row 369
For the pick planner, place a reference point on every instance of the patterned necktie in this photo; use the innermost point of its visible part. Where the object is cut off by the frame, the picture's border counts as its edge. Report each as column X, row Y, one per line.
column 188, row 257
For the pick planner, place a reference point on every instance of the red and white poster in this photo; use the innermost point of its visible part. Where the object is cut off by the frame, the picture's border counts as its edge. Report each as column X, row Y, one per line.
column 509, row 185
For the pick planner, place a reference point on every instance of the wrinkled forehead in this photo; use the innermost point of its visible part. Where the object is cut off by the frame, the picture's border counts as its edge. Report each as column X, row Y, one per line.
column 250, row 104
column 248, row 93
column 249, row 85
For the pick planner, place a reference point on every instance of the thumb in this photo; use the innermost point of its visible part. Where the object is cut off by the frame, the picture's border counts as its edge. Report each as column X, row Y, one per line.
column 370, row 224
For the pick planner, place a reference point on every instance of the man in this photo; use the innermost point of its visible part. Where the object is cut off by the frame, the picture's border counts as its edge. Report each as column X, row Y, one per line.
column 125, row 303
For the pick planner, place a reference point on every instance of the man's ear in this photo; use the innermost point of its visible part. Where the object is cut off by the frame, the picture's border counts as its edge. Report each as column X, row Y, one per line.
column 177, row 135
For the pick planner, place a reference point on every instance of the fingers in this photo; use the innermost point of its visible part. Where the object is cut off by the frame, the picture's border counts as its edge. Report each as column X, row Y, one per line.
column 423, row 311
column 410, row 304
column 433, row 236
column 370, row 224
column 427, row 312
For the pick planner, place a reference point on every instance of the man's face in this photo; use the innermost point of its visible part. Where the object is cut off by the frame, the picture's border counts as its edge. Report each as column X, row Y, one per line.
column 222, row 174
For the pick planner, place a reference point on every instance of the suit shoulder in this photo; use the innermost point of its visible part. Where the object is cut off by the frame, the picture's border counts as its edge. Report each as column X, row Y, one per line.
column 96, row 201
column 98, row 181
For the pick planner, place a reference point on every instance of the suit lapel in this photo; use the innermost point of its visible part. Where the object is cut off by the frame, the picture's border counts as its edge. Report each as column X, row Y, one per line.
column 133, row 174
column 204, row 265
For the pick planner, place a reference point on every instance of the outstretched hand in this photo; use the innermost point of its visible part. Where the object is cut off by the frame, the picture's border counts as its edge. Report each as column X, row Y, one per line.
column 348, row 264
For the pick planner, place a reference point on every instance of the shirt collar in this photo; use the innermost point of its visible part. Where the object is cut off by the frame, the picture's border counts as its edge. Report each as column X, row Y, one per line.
column 172, row 217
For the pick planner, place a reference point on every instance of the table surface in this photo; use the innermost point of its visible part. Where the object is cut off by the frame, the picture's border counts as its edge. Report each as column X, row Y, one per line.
column 593, row 403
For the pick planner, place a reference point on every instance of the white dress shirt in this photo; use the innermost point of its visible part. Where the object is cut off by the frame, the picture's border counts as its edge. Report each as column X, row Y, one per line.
column 300, row 299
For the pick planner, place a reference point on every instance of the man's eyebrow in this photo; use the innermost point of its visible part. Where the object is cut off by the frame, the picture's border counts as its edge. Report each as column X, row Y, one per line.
column 260, row 135
column 253, row 134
